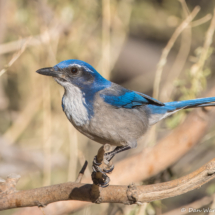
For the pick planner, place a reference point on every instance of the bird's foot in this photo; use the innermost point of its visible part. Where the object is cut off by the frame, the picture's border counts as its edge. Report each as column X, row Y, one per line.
column 100, row 181
column 104, row 180
column 106, row 162
column 108, row 157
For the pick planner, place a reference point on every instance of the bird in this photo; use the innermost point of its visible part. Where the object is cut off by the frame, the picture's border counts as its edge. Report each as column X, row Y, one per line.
column 108, row 113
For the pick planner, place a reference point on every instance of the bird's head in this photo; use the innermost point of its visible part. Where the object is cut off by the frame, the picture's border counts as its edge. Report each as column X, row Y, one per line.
column 70, row 73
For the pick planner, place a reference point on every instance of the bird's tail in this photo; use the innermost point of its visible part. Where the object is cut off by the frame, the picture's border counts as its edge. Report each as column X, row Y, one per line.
column 160, row 112
column 203, row 102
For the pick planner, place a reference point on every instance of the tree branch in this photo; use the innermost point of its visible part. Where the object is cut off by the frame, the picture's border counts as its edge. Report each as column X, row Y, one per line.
column 10, row 198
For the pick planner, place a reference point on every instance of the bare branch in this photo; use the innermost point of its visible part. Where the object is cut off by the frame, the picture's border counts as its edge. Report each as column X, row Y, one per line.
column 113, row 194
column 81, row 173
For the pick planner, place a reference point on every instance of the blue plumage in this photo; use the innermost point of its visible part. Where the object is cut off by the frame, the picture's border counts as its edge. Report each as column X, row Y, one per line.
column 67, row 63
column 87, row 93
column 106, row 112
column 89, row 79
column 190, row 103
column 125, row 99
column 178, row 105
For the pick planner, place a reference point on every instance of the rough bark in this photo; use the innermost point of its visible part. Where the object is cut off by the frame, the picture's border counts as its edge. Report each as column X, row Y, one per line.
column 131, row 194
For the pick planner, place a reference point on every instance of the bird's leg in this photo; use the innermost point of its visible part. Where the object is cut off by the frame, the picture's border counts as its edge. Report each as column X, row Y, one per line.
column 109, row 156
column 99, row 172
column 99, row 176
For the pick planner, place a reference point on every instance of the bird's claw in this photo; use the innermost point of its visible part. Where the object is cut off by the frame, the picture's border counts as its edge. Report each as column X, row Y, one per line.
column 97, row 181
column 108, row 157
column 109, row 170
column 106, row 161
column 104, row 182
column 95, row 161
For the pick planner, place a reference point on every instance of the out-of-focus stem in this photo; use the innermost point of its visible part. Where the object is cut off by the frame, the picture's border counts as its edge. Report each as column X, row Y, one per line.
column 46, row 132
column 167, row 49
column 106, row 22
column 73, row 152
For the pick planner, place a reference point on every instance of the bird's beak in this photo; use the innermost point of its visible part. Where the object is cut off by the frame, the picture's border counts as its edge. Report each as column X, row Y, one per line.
column 49, row 71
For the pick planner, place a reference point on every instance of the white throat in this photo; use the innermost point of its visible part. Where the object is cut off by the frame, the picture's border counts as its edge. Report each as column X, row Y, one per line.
column 73, row 103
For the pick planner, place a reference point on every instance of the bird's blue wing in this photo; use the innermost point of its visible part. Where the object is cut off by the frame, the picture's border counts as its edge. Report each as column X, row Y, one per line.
column 150, row 99
column 123, row 98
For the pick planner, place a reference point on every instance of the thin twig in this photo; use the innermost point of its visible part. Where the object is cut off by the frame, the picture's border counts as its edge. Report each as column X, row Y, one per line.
column 47, row 130
column 81, row 173
column 167, row 49
column 15, row 56
column 201, row 21
column 207, row 43
column 185, row 8
column 73, row 152
column 35, row 41
column 106, row 22
column 41, row 208
column 186, row 39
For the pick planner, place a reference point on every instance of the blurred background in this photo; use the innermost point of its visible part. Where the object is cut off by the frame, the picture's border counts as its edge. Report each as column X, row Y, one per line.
column 123, row 40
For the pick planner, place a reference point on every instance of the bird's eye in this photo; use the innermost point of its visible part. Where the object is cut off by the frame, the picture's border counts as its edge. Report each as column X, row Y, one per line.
column 74, row 70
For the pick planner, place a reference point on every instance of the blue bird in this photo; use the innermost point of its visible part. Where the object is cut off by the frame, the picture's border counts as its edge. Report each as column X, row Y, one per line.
column 109, row 113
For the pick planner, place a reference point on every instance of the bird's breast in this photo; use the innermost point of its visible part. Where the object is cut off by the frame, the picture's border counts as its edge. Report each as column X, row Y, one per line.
column 74, row 106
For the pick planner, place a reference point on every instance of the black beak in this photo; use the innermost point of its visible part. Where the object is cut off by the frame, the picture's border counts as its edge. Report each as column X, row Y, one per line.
column 49, row 71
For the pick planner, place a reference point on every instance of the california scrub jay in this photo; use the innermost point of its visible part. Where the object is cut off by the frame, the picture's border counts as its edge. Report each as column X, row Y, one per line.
column 109, row 113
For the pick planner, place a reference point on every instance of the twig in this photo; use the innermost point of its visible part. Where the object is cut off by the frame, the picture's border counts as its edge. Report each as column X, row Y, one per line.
column 114, row 194
column 82, row 160
column 167, row 49
column 119, row 32
column 47, row 130
column 41, row 208
column 73, row 152
column 81, row 173
column 186, row 39
column 15, row 56
column 35, row 41
column 201, row 21
column 208, row 41
column 106, row 22
column 185, row 8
